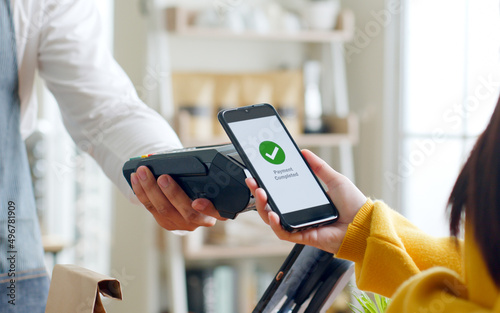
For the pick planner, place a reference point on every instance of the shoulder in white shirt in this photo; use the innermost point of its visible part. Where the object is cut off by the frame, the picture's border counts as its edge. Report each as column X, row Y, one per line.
column 99, row 105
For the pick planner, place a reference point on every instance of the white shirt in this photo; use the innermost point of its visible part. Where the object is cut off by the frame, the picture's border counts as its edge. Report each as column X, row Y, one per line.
column 100, row 108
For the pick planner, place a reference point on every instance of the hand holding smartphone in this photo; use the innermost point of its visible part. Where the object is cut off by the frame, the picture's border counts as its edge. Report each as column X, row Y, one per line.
column 275, row 161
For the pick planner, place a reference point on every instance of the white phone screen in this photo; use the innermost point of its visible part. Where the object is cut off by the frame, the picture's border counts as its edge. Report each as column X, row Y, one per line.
column 278, row 164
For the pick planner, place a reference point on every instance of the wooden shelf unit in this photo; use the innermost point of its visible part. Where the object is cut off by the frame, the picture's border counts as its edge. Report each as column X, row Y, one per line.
column 343, row 134
column 179, row 22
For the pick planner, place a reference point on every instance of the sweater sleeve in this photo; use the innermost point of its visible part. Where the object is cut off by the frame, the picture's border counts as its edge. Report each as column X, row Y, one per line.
column 436, row 290
column 388, row 249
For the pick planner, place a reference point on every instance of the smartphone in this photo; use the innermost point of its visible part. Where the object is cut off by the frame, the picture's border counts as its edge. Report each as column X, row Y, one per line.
column 274, row 160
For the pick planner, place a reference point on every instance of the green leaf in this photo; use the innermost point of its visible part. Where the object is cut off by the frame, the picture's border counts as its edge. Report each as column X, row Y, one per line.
column 369, row 306
column 355, row 309
column 378, row 300
column 366, row 303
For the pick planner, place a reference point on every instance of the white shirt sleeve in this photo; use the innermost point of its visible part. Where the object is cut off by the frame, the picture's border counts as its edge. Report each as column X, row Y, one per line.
column 98, row 102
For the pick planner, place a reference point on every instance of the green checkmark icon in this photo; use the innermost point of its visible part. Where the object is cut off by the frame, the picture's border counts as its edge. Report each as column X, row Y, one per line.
column 272, row 152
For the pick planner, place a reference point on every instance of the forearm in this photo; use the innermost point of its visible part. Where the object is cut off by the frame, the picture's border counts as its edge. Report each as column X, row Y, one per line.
column 98, row 102
column 388, row 249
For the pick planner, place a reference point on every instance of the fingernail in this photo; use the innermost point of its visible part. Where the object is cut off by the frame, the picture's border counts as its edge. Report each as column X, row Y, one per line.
column 210, row 221
column 142, row 173
column 200, row 205
column 133, row 178
column 163, row 181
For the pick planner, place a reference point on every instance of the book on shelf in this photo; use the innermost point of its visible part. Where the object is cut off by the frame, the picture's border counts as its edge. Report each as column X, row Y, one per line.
column 217, row 289
column 196, row 284
column 211, row 290
column 224, row 289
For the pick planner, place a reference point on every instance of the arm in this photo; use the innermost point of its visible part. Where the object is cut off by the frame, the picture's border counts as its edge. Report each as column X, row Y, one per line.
column 387, row 248
column 102, row 111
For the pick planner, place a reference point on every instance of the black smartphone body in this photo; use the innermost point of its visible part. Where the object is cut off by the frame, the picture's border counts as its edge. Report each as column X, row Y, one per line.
column 309, row 280
column 274, row 160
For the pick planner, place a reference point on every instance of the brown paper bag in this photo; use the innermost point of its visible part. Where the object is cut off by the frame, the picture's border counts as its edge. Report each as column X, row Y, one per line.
column 74, row 289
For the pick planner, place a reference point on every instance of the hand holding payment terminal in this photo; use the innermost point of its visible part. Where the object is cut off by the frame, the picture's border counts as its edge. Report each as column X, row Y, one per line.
column 212, row 172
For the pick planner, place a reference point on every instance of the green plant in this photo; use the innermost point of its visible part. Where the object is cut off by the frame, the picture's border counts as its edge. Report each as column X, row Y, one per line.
column 379, row 305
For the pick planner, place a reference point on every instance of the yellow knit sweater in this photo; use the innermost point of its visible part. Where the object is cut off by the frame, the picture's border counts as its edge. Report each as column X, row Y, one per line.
column 420, row 272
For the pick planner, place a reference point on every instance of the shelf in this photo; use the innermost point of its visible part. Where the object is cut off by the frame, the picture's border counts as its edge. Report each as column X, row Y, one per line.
column 213, row 252
column 344, row 130
column 54, row 244
column 178, row 24
column 303, row 140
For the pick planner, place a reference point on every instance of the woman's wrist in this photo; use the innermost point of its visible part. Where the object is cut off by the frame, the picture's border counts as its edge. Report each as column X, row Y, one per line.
column 354, row 241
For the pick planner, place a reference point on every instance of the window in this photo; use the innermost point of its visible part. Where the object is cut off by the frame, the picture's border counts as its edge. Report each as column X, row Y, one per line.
column 451, row 80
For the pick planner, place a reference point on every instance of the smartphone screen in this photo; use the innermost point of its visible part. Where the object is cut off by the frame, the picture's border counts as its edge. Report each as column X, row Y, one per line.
column 279, row 167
